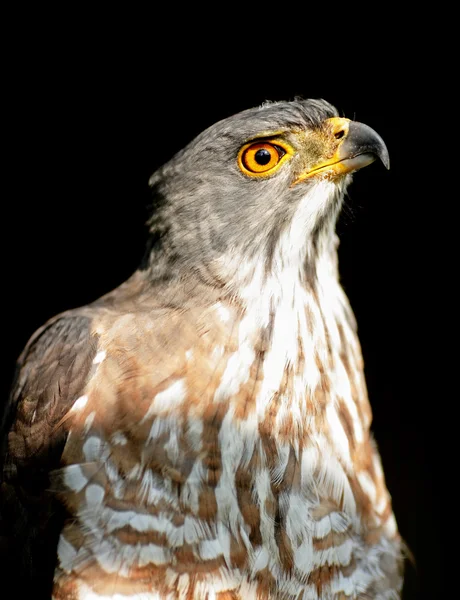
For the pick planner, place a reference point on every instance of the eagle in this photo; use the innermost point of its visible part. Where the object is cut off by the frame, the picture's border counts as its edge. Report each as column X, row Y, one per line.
column 203, row 431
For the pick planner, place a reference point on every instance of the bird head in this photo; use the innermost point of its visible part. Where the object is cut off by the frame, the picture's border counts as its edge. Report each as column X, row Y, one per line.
column 274, row 172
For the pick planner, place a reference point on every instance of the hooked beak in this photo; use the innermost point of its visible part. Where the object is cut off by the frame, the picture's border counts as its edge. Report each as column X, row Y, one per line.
column 358, row 146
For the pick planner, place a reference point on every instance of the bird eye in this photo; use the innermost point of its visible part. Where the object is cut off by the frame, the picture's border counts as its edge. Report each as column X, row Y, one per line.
column 260, row 157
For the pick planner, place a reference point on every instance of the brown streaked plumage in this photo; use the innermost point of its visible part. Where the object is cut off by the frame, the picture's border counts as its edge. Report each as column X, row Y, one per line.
column 203, row 431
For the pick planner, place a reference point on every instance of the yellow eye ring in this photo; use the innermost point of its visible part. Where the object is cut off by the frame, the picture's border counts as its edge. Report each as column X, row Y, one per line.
column 261, row 158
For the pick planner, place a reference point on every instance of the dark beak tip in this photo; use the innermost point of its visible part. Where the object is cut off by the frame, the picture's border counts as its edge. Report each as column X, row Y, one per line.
column 381, row 150
column 363, row 138
column 385, row 158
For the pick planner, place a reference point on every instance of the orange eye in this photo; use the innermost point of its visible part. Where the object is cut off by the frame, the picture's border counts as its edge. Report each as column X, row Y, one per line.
column 261, row 157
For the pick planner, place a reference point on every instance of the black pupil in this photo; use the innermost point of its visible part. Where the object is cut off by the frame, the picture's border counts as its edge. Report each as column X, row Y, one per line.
column 262, row 156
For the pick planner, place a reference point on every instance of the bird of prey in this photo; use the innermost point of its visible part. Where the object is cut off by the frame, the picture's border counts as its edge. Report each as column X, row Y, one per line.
column 203, row 431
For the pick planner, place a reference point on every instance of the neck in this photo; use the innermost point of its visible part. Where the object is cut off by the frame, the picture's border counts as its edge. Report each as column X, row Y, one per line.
column 291, row 313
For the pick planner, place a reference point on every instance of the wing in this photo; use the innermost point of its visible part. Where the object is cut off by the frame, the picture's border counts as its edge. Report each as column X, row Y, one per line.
column 51, row 374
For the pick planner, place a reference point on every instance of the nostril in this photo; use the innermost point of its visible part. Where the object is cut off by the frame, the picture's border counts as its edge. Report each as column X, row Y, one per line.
column 339, row 134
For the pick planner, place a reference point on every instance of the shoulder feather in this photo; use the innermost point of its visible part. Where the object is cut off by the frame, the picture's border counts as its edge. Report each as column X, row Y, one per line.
column 51, row 374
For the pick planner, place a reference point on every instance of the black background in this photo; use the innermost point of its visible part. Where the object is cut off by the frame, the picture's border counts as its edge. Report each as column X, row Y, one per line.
column 89, row 117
